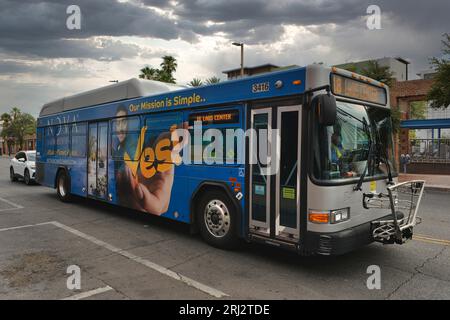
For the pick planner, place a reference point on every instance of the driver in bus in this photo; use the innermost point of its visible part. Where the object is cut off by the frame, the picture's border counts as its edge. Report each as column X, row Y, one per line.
column 338, row 154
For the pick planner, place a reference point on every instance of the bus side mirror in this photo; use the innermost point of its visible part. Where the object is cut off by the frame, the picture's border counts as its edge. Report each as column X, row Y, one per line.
column 325, row 106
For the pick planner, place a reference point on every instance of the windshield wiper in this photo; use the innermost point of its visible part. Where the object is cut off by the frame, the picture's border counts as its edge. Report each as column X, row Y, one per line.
column 369, row 156
column 384, row 157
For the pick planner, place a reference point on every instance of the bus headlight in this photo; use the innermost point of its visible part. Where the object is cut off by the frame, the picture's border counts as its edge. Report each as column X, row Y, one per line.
column 339, row 215
column 329, row 216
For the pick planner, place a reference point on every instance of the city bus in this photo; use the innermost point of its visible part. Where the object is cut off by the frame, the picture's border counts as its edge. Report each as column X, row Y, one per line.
column 301, row 158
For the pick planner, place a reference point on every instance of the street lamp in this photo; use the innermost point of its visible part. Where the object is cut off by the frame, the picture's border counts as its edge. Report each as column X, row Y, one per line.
column 241, row 44
column 114, row 81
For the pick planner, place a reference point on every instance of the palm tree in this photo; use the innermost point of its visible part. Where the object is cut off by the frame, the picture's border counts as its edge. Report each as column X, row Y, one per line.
column 213, row 80
column 168, row 67
column 149, row 73
column 169, row 64
column 196, row 82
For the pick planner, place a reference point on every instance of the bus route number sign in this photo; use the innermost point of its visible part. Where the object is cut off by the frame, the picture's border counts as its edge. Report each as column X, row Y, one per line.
column 260, row 87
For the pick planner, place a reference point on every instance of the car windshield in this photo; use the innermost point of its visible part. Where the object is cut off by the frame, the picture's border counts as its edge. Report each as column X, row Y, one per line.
column 342, row 151
column 31, row 156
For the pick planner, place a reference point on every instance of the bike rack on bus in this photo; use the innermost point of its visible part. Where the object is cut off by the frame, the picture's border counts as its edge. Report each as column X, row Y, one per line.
column 403, row 200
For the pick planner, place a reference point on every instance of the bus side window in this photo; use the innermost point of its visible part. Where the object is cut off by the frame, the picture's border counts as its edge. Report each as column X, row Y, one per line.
column 158, row 135
column 78, row 140
column 125, row 133
column 62, row 140
column 227, row 155
column 50, row 141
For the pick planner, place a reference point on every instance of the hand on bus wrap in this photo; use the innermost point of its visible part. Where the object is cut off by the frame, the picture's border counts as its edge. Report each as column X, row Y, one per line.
column 151, row 195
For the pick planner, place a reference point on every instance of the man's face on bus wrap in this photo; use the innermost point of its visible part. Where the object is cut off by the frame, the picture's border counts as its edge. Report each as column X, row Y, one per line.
column 121, row 126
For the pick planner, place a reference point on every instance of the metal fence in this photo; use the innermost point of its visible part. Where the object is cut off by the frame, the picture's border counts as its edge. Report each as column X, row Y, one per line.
column 430, row 150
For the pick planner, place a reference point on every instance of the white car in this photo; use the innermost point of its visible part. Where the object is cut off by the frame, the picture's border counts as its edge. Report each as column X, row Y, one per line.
column 23, row 166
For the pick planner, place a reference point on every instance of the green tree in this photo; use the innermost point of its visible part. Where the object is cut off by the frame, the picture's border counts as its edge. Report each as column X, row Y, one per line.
column 17, row 125
column 439, row 94
column 149, row 73
column 168, row 67
column 212, row 80
column 196, row 82
column 373, row 70
column 380, row 73
column 418, row 110
column 165, row 74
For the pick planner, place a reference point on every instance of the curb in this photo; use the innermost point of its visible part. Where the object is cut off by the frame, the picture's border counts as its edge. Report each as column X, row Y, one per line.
column 437, row 188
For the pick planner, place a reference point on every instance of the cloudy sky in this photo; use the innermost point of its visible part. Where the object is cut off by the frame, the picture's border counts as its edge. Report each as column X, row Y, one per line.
column 41, row 60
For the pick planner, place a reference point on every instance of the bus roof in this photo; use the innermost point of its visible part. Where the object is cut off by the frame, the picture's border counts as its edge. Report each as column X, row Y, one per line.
column 132, row 88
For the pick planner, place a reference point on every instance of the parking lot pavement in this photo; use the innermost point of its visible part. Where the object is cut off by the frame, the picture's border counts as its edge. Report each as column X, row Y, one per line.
column 128, row 255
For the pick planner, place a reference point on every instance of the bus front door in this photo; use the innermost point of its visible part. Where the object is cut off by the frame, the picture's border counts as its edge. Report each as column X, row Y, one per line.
column 274, row 204
column 98, row 160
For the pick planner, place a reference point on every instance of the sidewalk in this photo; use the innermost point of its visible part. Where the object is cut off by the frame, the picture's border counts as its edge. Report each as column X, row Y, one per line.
column 432, row 181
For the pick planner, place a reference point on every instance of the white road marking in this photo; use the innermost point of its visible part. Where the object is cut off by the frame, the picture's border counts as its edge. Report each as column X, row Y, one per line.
column 88, row 294
column 25, row 226
column 15, row 206
column 149, row 264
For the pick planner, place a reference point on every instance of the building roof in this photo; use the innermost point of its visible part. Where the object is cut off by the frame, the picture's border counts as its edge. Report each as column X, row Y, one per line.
column 132, row 88
column 267, row 65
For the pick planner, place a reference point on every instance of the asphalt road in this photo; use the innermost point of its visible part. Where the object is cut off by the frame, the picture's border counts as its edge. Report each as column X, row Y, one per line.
column 127, row 255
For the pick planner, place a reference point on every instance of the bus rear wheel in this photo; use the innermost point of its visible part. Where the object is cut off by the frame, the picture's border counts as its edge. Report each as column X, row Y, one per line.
column 62, row 186
column 217, row 220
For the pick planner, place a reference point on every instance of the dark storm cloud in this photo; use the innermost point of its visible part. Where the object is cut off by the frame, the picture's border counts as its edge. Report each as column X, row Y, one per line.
column 98, row 49
column 239, row 17
column 59, row 70
column 46, row 19
column 38, row 28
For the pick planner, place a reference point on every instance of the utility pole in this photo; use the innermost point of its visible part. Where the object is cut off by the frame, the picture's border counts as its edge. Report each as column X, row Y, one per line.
column 240, row 44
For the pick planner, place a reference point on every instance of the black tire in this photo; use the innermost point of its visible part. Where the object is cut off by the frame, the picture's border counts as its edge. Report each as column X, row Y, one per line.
column 63, row 187
column 26, row 177
column 216, row 210
column 12, row 175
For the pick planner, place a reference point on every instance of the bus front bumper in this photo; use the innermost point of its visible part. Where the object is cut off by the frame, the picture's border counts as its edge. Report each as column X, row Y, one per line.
column 341, row 242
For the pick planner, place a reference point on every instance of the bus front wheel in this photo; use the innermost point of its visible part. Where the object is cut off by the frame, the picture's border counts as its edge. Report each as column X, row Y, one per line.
column 217, row 220
column 62, row 186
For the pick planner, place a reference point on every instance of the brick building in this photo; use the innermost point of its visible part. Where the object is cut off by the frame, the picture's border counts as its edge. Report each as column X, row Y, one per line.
column 10, row 146
column 402, row 94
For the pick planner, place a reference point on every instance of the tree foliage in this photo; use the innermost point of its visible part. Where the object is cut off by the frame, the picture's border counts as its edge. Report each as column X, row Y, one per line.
column 196, row 82
column 212, row 80
column 380, row 73
column 418, row 110
column 17, row 125
column 373, row 70
column 165, row 73
column 439, row 94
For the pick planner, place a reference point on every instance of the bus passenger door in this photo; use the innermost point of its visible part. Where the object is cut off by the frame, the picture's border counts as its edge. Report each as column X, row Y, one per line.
column 98, row 160
column 259, row 182
column 287, row 196
column 274, row 180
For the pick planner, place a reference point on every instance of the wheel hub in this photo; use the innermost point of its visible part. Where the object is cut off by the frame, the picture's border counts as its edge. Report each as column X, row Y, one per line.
column 217, row 218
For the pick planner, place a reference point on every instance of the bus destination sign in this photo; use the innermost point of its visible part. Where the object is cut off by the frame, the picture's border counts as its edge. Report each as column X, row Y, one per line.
column 352, row 88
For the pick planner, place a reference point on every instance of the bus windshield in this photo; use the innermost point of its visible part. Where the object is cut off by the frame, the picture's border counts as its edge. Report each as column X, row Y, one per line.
column 361, row 133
